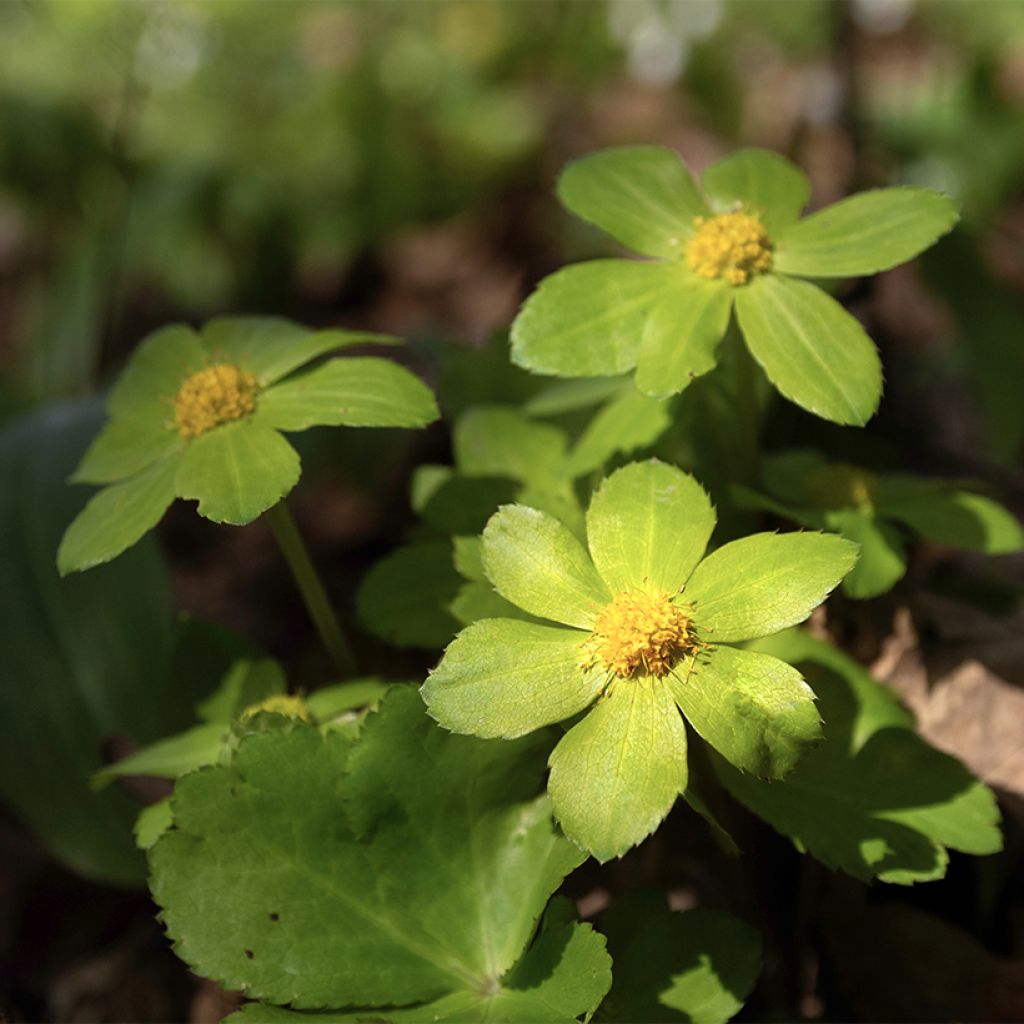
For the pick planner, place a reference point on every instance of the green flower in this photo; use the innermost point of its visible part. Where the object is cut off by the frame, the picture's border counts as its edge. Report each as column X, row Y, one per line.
column 643, row 633
column 199, row 415
column 739, row 247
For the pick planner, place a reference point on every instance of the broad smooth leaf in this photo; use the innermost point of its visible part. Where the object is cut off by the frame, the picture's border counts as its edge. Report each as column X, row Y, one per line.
column 365, row 392
column 643, row 196
column 866, row 233
column 501, row 441
column 765, row 183
column 560, row 978
column 536, row 563
column 680, row 337
column 76, row 653
column 117, row 517
column 755, row 710
column 127, row 445
column 563, row 396
column 271, row 347
column 696, row 966
column 625, row 424
column 237, row 471
column 403, row 599
column 882, row 560
column 257, row 893
column 155, row 372
column 503, row 677
column 647, row 526
column 811, row 349
column 587, row 320
column 617, row 772
column 168, row 758
column 873, row 800
column 765, row 582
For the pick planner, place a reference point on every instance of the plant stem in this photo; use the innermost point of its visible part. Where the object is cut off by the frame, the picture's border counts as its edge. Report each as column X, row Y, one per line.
column 296, row 554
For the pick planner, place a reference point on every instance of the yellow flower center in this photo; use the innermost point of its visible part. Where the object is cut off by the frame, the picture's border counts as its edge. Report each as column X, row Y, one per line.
column 732, row 246
column 289, row 705
column 219, row 393
column 640, row 632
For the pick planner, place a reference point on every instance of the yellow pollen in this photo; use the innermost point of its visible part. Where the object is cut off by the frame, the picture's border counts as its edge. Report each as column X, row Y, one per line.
column 732, row 246
column 219, row 393
column 289, row 705
column 640, row 632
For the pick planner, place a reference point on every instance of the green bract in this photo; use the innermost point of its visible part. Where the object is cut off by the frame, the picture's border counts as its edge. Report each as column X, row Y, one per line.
column 876, row 510
column 641, row 590
column 665, row 317
column 157, row 446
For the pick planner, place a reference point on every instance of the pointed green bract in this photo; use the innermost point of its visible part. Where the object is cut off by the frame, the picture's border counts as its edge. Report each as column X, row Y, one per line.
column 155, row 371
column 258, row 894
column 536, row 563
column 763, row 583
column 696, row 966
column 866, row 233
column 618, row 771
column 363, row 392
column 271, row 347
column 170, row 757
column 755, row 710
column 117, row 517
column 762, row 182
column 881, row 562
column 629, row 422
column 873, row 800
column 502, row 677
column 126, row 446
column 587, row 320
column 811, row 349
column 643, row 196
column 237, row 471
column 680, row 337
column 648, row 526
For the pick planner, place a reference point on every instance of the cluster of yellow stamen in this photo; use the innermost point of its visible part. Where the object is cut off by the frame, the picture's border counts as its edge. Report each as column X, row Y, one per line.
column 640, row 632
column 218, row 393
column 287, row 704
column 732, row 246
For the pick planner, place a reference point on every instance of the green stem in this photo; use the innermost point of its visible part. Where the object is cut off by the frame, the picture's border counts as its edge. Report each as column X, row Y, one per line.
column 292, row 546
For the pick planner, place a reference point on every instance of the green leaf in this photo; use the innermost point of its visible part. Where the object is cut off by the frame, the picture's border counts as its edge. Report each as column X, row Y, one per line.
column 536, row 563
column 765, row 582
column 501, row 441
column 257, row 893
column 618, row 771
column 170, row 757
column 629, row 422
column 564, row 396
column 587, row 320
column 332, row 702
column 463, row 504
column 404, row 598
column 696, row 966
column 362, row 392
column 881, row 562
column 271, row 347
column 117, row 517
column 873, row 800
column 503, row 677
column 865, row 233
column 247, row 681
column 560, row 978
column 124, row 447
column 153, row 821
column 680, row 337
column 755, row 710
column 648, row 525
column 155, row 372
column 237, row 471
column 643, row 196
column 764, row 182
column 958, row 518
column 84, row 656
column 812, row 350
column 476, row 601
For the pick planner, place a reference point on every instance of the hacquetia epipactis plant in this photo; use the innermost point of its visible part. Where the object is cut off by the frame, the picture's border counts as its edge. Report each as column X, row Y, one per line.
column 386, row 852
